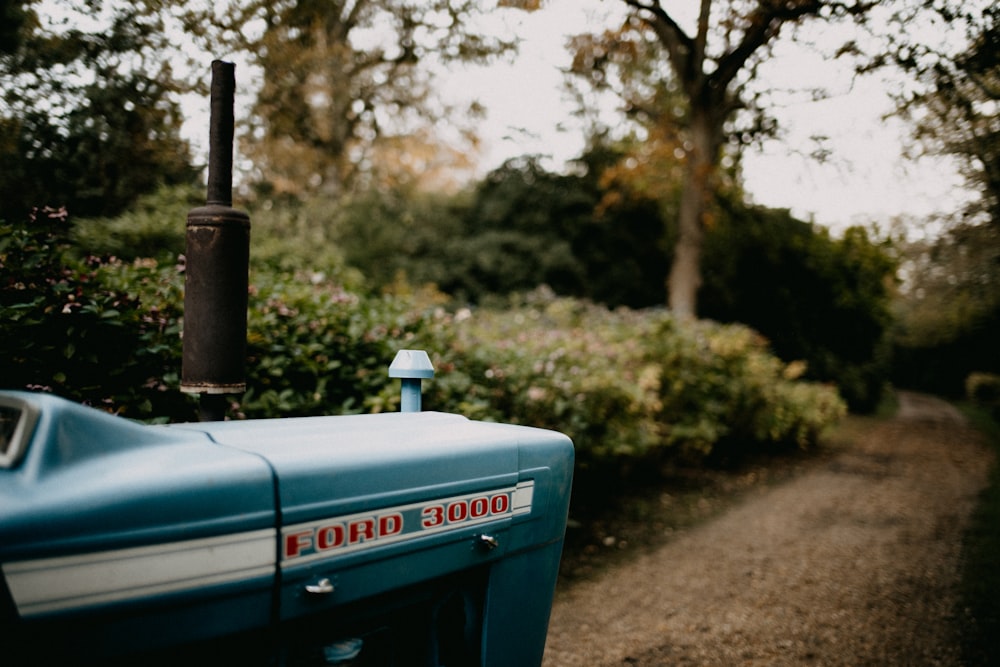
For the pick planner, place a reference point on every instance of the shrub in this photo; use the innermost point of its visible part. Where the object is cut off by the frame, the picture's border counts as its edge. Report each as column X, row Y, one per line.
column 628, row 386
column 154, row 226
column 817, row 298
column 97, row 331
column 984, row 389
column 628, row 383
column 315, row 348
column 106, row 332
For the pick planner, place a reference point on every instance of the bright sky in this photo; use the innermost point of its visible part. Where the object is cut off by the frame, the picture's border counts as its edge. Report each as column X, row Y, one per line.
column 865, row 179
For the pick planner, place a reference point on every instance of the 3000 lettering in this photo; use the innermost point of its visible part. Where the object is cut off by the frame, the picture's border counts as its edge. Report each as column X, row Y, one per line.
column 458, row 511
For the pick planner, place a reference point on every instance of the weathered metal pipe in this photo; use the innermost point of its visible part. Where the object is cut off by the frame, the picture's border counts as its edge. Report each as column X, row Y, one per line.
column 218, row 256
column 220, row 134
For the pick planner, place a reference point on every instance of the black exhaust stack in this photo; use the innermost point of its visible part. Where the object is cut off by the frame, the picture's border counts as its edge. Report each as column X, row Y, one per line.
column 218, row 257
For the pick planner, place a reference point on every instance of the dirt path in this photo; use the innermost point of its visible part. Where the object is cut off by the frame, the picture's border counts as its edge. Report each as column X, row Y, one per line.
column 852, row 563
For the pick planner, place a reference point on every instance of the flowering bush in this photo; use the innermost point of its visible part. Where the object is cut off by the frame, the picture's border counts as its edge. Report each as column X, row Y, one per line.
column 79, row 327
column 624, row 384
column 315, row 348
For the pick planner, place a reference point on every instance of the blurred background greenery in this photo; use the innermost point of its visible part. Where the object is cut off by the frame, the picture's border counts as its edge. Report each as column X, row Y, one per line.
column 549, row 297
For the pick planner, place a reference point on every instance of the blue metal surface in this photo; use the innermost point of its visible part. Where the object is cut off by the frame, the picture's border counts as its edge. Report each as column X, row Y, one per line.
column 123, row 537
column 93, row 481
column 108, row 519
column 411, row 366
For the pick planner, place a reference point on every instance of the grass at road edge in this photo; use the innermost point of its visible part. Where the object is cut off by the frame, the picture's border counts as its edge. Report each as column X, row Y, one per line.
column 980, row 576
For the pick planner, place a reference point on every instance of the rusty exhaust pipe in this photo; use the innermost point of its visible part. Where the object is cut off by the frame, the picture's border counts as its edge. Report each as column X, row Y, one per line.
column 218, row 258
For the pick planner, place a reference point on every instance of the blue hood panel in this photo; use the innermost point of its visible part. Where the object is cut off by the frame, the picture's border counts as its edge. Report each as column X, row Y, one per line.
column 121, row 536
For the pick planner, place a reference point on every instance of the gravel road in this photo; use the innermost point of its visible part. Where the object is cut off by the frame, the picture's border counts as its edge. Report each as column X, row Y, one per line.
column 854, row 562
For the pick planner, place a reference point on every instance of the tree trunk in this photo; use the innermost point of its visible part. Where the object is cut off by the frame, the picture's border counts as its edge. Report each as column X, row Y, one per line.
column 685, row 272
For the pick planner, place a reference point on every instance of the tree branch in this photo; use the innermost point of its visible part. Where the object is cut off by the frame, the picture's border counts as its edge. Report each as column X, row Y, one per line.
column 680, row 47
column 767, row 20
column 762, row 28
column 696, row 66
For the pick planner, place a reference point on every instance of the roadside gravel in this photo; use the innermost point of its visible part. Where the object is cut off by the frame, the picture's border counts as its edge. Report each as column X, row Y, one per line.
column 853, row 562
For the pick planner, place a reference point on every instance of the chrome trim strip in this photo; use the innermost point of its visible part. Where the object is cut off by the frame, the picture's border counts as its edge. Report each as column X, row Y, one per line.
column 69, row 583
column 524, row 493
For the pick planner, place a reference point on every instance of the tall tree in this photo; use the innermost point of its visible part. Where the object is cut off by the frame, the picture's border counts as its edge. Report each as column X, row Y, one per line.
column 13, row 15
column 955, row 102
column 705, row 62
column 338, row 77
column 950, row 309
column 87, row 114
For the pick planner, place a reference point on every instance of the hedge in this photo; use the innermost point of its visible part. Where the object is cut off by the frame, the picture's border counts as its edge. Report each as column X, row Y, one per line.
column 624, row 384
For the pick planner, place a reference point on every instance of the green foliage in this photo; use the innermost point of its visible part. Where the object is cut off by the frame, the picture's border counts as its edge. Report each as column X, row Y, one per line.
column 521, row 227
column 290, row 237
column 343, row 85
column 314, row 348
column 983, row 389
column 979, row 586
column 107, row 332
column 98, row 332
column 627, row 384
column 513, row 233
column 818, row 299
column 87, row 117
column 949, row 310
column 957, row 87
column 154, row 226
column 12, row 19
column 526, row 227
column 398, row 232
column 624, row 384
